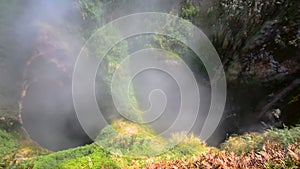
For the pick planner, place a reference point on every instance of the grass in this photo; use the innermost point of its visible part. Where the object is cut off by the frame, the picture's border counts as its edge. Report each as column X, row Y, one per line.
column 255, row 141
column 280, row 144
column 115, row 148
column 15, row 148
column 90, row 156
column 7, row 146
column 131, row 140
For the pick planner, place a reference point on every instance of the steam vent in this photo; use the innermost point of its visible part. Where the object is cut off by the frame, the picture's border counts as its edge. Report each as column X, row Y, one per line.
column 149, row 84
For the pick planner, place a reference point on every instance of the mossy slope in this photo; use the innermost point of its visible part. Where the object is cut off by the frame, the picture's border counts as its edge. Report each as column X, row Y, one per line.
column 185, row 153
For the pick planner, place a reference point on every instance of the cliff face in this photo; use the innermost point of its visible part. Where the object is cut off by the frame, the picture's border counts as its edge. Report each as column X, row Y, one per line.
column 258, row 42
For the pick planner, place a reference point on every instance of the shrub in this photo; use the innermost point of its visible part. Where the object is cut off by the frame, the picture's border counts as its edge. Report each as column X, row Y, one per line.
column 254, row 141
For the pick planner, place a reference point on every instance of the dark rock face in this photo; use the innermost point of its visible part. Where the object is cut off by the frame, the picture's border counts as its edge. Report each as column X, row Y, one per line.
column 258, row 42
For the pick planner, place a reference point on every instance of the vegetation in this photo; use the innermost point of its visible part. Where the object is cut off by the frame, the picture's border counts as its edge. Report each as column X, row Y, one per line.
column 272, row 156
column 255, row 141
column 16, row 147
column 7, row 146
column 189, row 11
column 258, row 42
column 82, row 157
column 130, row 154
column 272, row 149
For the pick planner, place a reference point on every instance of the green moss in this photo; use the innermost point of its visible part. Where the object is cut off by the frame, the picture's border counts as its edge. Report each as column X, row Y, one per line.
column 90, row 156
column 189, row 146
column 94, row 156
column 97, row 159
column 112, row 65
column 125, row 138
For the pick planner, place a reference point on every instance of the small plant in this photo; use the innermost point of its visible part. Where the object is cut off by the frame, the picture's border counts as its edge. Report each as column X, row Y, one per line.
column 189, row 11
column 254, row 141
column 7, row 146
column 244, row 144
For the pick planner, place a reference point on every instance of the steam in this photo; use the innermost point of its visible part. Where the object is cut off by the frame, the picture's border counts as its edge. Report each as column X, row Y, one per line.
column 49, row 41
column 173, row 81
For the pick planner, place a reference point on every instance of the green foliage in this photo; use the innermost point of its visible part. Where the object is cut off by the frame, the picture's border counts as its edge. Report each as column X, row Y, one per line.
column 90, row 156
column 245, row 143
column 174, row 43
column 108, row 67
column 97, row 159
column 284, row 163
column 255, row 141
column 189, row 11
column 189, row 145
column 112, row 57
column 131, row 141
column 125, row 138
column 294, row 99
column 284, row 136
column 15, row 145
column 94, row 156
column 92, row 13
column 244, row 30
column 8, row 145
column 100, row 45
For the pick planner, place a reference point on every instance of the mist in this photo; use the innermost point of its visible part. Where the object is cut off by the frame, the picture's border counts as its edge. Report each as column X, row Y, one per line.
column 49, row 39
column 49, row 36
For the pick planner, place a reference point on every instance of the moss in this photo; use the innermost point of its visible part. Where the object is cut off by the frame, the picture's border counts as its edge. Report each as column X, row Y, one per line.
column 94, row 156
column 132, row 153
column 188, row 148
column 125, row 138
column 190, row 145
column 90, row 156
column 112, row 65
